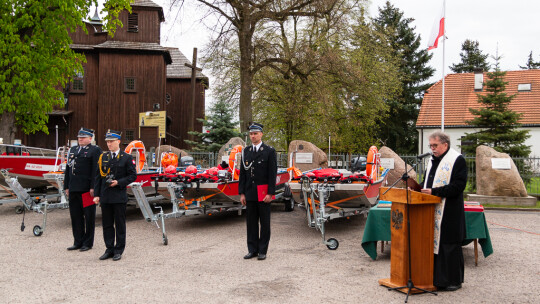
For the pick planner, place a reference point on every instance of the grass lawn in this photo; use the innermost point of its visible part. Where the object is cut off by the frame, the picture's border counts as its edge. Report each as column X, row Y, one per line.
column 514, row 206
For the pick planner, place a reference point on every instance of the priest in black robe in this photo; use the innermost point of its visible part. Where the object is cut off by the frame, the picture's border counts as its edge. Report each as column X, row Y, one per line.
column 448, row 272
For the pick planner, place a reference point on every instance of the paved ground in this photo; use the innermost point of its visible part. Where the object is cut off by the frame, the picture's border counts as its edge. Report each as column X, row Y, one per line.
column 203, row 263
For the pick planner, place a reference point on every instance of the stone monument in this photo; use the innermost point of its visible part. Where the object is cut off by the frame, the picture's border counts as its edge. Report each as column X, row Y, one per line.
column 498, row 180
column 399, row 167
column 306, row 156
column 226, row 148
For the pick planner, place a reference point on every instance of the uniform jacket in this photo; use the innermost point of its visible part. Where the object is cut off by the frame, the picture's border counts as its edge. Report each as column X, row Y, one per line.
column 123, row 170
column 263, row 171
column 81, row 168
column 453, row 222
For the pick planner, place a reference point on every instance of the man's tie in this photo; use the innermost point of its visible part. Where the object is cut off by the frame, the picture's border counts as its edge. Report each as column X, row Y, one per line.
column 113, row 155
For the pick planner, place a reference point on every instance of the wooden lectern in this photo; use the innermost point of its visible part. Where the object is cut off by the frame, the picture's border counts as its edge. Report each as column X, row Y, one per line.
column 421, row 208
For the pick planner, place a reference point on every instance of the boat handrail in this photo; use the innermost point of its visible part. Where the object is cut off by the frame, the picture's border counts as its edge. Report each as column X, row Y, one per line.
column 33, row 151
column 61, row 152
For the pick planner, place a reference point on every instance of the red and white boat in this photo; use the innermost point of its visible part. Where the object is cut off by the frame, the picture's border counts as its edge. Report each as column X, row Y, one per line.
column 28, row 164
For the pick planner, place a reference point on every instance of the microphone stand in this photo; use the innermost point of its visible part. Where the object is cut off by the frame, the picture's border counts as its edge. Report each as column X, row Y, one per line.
column 410, row 285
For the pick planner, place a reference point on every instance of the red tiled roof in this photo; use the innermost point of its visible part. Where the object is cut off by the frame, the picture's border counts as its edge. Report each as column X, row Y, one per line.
column 459, row 96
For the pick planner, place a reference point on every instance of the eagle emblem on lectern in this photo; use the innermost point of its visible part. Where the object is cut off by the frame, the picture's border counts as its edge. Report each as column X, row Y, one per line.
column 397, row 219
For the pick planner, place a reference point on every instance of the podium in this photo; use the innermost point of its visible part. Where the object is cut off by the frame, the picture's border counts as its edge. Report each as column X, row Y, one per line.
column 421, row 215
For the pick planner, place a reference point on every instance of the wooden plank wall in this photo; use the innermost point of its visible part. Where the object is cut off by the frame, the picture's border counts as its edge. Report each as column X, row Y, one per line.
column 119, row 110
column 149, row 27
column 94, row 36
column 179, row 109
column 83, row 105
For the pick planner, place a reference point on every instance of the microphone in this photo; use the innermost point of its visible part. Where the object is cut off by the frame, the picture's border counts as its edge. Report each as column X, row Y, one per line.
column 424, row 155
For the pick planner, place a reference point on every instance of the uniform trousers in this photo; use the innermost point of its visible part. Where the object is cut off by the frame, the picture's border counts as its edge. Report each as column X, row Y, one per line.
column 257, row 240
column 449, row 265
column 114, row 225
column 83, row 220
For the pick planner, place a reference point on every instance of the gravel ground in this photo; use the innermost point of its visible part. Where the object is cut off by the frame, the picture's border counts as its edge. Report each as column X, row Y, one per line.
column 203, row 263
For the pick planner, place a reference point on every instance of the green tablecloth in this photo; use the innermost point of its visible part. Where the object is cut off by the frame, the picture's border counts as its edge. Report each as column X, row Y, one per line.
column 378, row 229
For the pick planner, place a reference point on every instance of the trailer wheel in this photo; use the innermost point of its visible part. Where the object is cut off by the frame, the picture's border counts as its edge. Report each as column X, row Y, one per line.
column 332, row 244
column 165, row 240
column 37, row 230
column 289, row 204
column 19, row 209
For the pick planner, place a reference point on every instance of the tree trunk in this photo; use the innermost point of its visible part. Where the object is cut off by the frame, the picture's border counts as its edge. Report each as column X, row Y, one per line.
column 245, row 36
column 7, row 127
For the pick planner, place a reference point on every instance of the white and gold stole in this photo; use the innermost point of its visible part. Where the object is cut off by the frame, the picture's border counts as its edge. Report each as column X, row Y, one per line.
column 442, row 178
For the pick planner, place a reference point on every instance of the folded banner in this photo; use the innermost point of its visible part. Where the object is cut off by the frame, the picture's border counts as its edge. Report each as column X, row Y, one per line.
column 87, row 200
column 262, row 191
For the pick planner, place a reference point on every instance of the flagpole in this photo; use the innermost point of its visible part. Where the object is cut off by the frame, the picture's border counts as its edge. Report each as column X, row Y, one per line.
column 443, row 52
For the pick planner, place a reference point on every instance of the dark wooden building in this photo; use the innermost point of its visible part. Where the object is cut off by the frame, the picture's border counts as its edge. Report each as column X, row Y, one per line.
column 123, row 76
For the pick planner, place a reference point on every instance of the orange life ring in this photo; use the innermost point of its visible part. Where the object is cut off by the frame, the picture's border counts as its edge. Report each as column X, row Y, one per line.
column 373, row 163
column 139, row 146
column 232, row 161
column 169, row 159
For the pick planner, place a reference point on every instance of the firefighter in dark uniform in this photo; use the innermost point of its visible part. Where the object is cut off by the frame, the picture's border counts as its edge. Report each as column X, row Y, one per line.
column 256, row 187
column 116, row 170
column 79, row 178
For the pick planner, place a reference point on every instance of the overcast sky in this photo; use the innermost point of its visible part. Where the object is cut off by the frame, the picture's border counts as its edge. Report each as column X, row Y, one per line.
column 512, row 27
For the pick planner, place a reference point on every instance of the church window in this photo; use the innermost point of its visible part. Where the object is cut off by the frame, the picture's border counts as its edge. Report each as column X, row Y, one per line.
column 77, row 84
column 133, row 23
column 130, row 84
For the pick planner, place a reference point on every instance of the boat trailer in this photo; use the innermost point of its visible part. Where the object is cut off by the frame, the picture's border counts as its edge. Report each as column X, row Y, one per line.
column 327, row 200
column 36, row 203
column 180, row 206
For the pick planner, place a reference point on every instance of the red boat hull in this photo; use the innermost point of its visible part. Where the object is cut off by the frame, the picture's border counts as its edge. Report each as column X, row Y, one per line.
column 29, row 170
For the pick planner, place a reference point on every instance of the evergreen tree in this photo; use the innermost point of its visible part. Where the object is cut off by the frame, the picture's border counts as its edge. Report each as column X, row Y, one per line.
column 498, row 125
column 471, row 58
column 220, row 128
column 398, row 130
column 531, row 64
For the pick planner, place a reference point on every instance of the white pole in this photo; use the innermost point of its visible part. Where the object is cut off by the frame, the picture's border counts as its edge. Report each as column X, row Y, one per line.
column 56, row 137
column 329, row 158
column 443, row 43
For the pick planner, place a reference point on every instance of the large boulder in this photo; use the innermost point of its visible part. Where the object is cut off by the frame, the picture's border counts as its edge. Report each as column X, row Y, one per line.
column 319, row 158
column 168, row 148
column 495, row 182
column 399, row 167
column 226, row 148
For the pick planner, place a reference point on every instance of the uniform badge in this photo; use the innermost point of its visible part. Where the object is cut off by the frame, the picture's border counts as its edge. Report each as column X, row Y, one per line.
column 262, row 148
column 246, row 163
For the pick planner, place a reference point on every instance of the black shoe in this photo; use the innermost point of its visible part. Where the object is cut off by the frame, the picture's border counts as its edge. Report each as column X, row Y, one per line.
column 117, row 257
column 453, row 287
column 106, row 255
column 250, row 255
column 74, row 247
column 85, row 248
column 261, row 257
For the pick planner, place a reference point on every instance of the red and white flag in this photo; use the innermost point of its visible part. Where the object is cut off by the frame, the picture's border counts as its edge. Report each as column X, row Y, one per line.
column 437, row 31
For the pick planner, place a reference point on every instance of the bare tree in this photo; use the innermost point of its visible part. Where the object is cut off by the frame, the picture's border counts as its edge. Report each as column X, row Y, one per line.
column 242, row 21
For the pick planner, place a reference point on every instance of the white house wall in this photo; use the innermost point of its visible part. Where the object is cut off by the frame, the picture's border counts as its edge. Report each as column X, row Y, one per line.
column 456, row 134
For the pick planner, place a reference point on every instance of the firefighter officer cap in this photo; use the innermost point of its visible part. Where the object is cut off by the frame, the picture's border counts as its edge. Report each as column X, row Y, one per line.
column 256, row 127
column 84, row 132
column 113, row 135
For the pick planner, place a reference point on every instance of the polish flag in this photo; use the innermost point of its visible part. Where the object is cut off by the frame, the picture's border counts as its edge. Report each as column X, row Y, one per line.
column 437, row 31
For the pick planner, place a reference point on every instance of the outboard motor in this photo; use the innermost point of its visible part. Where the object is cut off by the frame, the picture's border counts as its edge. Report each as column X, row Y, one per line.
column 186, row 161
column 358, row 164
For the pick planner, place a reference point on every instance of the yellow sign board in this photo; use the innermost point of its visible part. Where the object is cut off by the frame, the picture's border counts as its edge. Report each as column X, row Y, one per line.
column 153, row 119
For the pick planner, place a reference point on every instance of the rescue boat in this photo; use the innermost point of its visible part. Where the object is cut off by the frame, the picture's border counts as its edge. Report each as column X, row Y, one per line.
column 28, row 164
